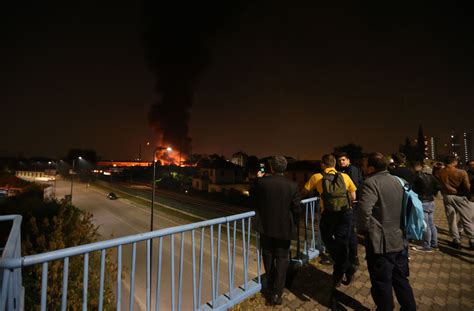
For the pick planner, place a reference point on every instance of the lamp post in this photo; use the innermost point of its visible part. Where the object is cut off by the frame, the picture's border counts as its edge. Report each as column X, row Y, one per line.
column 72, row 175
column 153, row 197
column 153, row 182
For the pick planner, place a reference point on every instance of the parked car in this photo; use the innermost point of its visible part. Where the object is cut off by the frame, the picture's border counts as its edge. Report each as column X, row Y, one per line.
column 112, row 196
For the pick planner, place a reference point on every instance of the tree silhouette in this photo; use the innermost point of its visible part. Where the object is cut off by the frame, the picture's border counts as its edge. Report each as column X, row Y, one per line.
column 414, row 152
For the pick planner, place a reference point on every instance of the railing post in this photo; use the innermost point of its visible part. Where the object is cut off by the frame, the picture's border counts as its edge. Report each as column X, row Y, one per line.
column 85, row 281
column 44, row 286
column 18, row 283
column 65, row 284
column 11, row 286
column 194, row 269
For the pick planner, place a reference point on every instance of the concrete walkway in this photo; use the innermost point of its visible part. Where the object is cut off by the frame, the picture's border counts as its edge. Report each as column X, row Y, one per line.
column 441, row 280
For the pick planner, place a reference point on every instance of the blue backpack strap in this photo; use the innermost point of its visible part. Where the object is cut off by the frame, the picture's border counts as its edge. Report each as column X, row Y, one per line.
column 414, row 223
column 404, row 203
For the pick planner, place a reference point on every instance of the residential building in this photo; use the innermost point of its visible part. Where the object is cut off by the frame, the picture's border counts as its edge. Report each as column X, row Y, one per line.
column 218, row 174
column 239, row 158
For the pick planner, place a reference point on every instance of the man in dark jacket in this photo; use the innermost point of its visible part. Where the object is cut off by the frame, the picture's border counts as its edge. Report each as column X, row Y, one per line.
column 400, row 169
column 379, row 218
column 427, row 186
column 277, row 205
column 344, row 165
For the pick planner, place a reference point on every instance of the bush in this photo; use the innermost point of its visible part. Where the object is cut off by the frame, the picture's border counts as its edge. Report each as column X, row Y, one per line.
column 53, row 225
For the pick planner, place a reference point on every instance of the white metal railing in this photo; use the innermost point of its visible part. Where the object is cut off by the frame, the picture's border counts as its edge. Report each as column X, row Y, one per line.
column 237, row 225
column 207, row 234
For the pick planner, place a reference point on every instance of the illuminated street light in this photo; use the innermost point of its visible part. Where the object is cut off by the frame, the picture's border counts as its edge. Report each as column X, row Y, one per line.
column 72, row 176
column 153, row 195
column 159, row 148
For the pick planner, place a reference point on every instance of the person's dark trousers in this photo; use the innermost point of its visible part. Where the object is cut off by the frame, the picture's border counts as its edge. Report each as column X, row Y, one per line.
column 387, row 271
column 353, row 244
column 276, row 257
column 336, row 229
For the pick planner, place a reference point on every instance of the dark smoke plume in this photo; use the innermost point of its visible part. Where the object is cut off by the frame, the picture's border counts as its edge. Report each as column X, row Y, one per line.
column 177, row 35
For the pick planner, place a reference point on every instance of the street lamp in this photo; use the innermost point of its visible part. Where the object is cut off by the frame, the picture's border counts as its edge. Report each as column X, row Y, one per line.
column 153, row 181
column 72, row 175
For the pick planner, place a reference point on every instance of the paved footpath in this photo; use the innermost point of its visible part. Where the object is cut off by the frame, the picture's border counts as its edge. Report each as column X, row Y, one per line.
column 441, row 280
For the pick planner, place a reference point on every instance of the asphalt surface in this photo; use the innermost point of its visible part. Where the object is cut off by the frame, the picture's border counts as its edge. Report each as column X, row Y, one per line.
column 199, row 207
column 122, row 217
column 441, row 280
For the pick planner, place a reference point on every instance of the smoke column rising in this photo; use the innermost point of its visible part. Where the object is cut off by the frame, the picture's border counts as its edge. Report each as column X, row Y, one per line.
column 176, row 35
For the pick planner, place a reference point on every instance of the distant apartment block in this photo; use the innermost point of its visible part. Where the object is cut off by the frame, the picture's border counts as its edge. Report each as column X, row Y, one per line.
column 467, row 147
column 454, row 143
column 460, row 146
column 432, row 151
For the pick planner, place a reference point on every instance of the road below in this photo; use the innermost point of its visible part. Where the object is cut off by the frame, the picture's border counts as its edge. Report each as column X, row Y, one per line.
column 123, row 217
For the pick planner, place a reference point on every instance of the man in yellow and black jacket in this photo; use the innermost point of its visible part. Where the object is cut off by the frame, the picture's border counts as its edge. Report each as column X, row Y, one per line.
column 337, row 192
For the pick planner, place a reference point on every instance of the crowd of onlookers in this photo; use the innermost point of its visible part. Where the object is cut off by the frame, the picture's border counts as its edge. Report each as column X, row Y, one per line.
column 457, row 188
column 368, row 200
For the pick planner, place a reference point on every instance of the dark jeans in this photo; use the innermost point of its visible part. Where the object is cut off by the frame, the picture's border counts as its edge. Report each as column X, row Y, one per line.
column 336, row 232
column 353, row 242
column 276, row 257
column 387, row 271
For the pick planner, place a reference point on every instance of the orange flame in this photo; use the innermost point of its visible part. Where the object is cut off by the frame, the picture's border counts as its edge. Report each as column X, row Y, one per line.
column 173, row 157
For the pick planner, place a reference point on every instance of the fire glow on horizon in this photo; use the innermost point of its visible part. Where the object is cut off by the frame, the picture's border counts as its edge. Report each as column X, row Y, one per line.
column 170, row 156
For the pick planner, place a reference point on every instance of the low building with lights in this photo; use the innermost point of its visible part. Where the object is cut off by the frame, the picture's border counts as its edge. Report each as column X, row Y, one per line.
column 110, row 164
column 37, row 176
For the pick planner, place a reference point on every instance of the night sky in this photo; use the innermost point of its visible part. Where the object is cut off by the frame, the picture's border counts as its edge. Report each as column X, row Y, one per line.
column 281, row 78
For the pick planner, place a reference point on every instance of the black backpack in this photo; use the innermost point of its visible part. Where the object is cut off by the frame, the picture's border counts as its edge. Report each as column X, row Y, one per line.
column 334, row 192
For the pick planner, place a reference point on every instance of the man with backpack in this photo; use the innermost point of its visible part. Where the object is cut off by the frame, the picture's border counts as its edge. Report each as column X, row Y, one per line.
column 427, row 186
column 379, row 218
column 337, row 191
